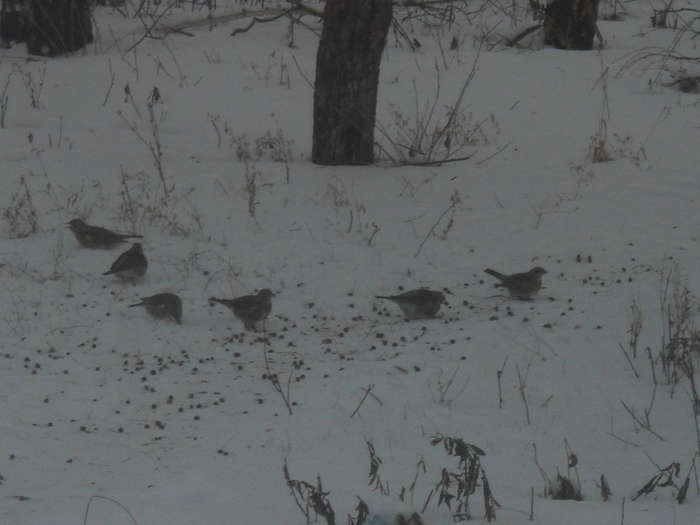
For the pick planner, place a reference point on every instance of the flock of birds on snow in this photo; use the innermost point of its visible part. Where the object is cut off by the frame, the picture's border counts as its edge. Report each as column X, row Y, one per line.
column 252, row 310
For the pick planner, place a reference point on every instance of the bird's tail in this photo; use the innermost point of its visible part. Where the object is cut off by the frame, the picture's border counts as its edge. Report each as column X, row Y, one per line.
column 132, row 236
column 137, row 304
column 108, row 272
column 384, row 297
column 216, row 300
column 497, row 275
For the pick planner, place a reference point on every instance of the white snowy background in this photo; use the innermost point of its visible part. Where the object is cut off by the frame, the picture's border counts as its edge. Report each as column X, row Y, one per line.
column 179, row 425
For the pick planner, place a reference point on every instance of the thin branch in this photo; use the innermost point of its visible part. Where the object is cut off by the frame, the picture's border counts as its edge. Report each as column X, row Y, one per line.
column 511, row 42
column 498, row 151
column 453, row 204
column 646, row 426
column 148, row 30
column 623, row 440
column 255, row 20
column 543, row 472
column 636, row 374
column 367, row 390
column 96, row 497
column 437, row 162
column 111, row 82
column 522, row 385
column 499, row 375
column 274, row 379
column 301, row 72
column 275, row 14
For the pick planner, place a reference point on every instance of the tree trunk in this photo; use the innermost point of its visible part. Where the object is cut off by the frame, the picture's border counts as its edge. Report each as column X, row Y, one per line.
column 55, row 27
column 12, row 21
column 347, row 76
column 570, row 24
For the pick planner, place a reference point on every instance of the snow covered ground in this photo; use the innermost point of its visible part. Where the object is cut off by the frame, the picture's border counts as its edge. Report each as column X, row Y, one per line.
column 180, row 424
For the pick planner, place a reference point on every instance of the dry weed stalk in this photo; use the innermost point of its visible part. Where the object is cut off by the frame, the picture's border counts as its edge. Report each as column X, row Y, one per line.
column 449, row 212
column 663, row 478
column 598, row 148
column 522, row 386
column 273, row 378
column 251, row 188
column 636, row 324
column 111, row 500
column 457, row 486
column 310, row 499
column 427, row 139
column 561, row 487
column 645, row 421
column 21, row 215
column 604, row 486
column 375, row 480
column 153, row 141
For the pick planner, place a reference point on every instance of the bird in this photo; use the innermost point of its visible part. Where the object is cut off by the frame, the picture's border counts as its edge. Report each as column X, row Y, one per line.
column 417, row 304
column 97, row 237
column 162, row 306
column 130, row 265
column 521, row 286
column 251, row 309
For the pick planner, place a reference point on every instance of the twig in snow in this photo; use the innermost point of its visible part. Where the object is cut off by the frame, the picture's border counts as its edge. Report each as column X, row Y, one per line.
column 367, row 390
column 111, row 82
column 455, row 200
column 96, row 497
column 274, row 379
column 499, row 375
column 522, row 385
column 636, row 374
column 646, row 425
column 497, row 152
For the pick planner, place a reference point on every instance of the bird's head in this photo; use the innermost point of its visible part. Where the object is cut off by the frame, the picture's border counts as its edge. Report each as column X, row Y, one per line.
column 538, row 271
column 76, row 224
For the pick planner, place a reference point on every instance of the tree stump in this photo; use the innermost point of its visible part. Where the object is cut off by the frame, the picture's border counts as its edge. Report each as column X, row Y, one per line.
column 55, row 27
column 570, row 24
column 347, row 77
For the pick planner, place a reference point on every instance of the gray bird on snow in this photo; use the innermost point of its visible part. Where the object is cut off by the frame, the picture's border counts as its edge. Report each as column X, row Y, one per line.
column 162, row 306
column 521, row 286
column 130, row 265
column 90, row 236
column 251, row 309
column 417, row 304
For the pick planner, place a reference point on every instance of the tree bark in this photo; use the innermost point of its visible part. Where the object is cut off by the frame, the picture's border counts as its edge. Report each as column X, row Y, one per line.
column 570, row 24
column 347, row 77
column 12, row 21
column 55, row 27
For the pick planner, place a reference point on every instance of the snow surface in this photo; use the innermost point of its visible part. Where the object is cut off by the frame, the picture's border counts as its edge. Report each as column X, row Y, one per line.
column 178, row 424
